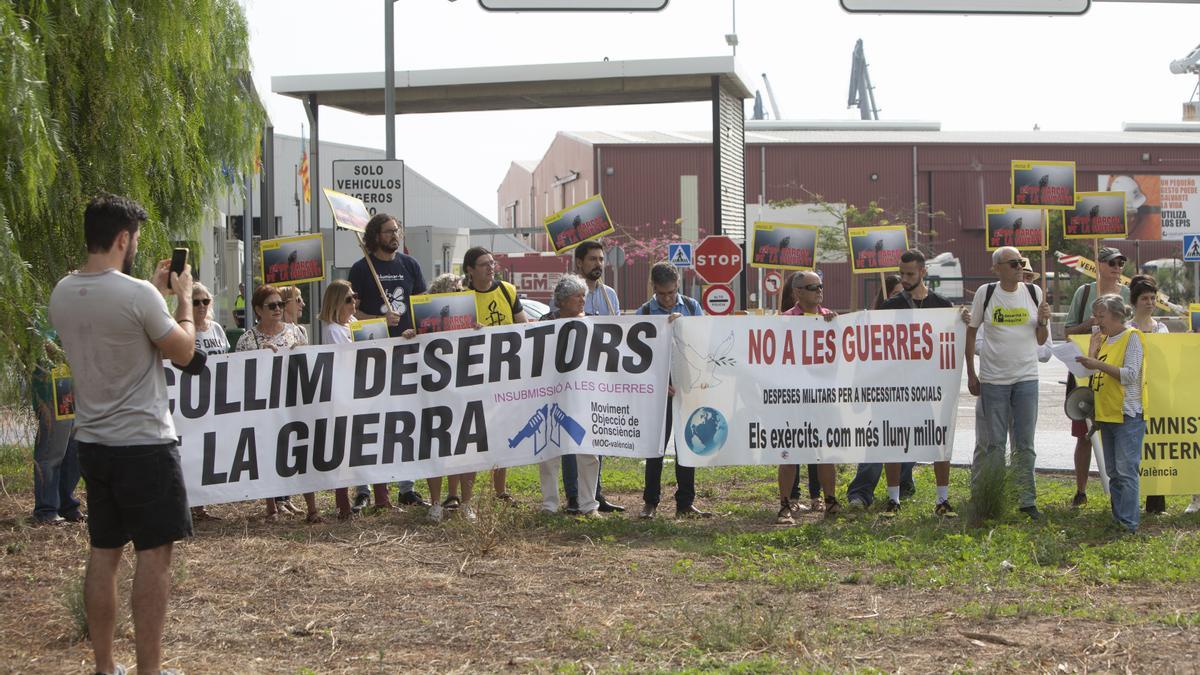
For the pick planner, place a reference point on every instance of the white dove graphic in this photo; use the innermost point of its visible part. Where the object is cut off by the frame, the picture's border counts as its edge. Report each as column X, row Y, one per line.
column 702, row 368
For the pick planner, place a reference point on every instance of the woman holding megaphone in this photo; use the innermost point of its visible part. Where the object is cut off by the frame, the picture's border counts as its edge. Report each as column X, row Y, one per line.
column 1115, row 353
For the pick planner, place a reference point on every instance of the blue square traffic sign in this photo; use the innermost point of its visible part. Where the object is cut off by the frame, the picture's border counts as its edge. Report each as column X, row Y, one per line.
column 1191, row 248
column 680, row 255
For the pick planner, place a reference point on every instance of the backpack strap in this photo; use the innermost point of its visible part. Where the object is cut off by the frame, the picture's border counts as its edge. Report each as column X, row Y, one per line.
column 1032, row 293
column 644, row 309
column 987, row 295
column 693, row 307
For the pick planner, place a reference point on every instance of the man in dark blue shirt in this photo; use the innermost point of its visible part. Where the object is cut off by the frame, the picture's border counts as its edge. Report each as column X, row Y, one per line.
column 401, row 278
column 664, row 278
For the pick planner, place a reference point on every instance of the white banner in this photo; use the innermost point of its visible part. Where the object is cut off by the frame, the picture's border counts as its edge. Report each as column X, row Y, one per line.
column 877, row 386
column 260, row 424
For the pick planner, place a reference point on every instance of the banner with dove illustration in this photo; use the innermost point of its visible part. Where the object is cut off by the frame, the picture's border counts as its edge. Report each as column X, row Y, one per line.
column 258, row 424
column 877, row 386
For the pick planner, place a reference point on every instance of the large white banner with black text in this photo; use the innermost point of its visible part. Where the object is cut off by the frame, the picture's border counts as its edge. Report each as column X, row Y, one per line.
column 869, row 386
column 261, row 424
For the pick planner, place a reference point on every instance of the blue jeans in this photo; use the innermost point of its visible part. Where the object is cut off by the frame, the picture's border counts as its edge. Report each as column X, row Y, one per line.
column 867, row 478
column 1009, row 409
column 55, row 467
column 570, row 479
column 1122, row 461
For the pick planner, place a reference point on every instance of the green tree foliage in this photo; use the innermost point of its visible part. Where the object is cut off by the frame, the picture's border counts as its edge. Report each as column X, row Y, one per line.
column 145, row 99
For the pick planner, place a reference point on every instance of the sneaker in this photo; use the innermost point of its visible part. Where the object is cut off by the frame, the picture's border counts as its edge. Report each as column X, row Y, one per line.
column 412, row 498
column 1032, row 512
column 945, row 510
column 1194, row 506
column 77, row 517
column 693, row 512
column 360, row 503
column 467, row 512
column 572, row 507
column 832, row 507
column 784, row 517
column 51, row 520
column 451, row 503
column 1079, row 500
column 608, row 507
column 891, row 510
column 856, row 504
column 594, row 514
column 435, row 513
column 648, row 511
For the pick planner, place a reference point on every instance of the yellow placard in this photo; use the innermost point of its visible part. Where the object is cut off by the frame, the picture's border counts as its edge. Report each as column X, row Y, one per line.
column 1096, row 215
column 1048, row 184
column 576, row 224
column 349, row 213
column 64, row 392
column 1021, row 227
column 784, row 246
column 368, row 329
column 877, row 249
column 292, row 260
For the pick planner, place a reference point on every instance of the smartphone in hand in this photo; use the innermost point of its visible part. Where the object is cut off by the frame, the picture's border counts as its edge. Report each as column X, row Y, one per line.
column 179, row 258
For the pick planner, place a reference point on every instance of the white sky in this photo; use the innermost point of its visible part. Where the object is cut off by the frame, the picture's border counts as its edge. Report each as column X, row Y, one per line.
column 970, row 73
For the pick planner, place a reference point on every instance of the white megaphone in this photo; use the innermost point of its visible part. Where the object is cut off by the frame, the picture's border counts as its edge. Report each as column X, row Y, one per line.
column 1081, row 406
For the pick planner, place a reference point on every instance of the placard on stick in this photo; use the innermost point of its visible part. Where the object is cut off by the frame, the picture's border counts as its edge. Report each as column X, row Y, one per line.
column 1043, row 183
column 368, row 329
column 348, row 212
column 437, row 312
column 574, row 225
column 783, row 246
column 1097, row 215
column 292, row 260
column 1025, row 229
column 64, row 392
column 877, row 249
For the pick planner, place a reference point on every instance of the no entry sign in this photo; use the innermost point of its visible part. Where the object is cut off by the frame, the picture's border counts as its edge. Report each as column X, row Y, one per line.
column 718, row 260
column 717, row 300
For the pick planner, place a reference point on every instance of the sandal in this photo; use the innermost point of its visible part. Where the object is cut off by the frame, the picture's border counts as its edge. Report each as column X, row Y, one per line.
column 505, row 497
column 451, row 503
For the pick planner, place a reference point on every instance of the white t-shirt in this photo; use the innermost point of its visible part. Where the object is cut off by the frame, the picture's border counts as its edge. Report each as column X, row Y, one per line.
column 334, row 333
column 213, row 340
column 1010, row 349
column 108, row 323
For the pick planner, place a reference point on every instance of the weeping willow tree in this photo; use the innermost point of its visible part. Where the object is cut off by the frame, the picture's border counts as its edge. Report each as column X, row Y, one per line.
column 144, row 99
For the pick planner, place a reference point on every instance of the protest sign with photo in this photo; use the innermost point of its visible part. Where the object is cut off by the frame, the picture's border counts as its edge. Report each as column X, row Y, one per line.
column 1157, row 207
column 368, row 329
column 1025, row 229
column 877, row 249
column 572, row 226
column 1038, row 183
column 348, row 212
column 784, row 246
column 795, row 390
column 437, row 312
column 292, row 260
column 260, row 424
column 1097, row 215
column 64, row 392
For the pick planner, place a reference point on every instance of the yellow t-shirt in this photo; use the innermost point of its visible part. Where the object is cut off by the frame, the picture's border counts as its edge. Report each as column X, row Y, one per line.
column 496, row 306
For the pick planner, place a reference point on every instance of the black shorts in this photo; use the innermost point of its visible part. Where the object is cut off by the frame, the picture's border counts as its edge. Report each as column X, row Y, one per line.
column 134, row 493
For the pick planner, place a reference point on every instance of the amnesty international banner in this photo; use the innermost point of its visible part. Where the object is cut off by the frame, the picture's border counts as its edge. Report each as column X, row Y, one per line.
column 870, row 386
column 258, row 424
column 1171, row 449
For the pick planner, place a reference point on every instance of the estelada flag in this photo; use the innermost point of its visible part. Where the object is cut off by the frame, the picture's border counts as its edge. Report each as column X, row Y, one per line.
column 304, row 174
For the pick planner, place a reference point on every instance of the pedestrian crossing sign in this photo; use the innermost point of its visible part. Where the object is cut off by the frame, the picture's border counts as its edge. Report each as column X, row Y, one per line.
column 680, row 255
column 1191, row 248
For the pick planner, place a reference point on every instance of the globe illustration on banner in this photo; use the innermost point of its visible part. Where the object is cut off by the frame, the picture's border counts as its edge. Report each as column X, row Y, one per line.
column 706, row 431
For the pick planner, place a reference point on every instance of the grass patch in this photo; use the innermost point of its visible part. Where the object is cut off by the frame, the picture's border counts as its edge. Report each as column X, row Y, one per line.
column 16, row 468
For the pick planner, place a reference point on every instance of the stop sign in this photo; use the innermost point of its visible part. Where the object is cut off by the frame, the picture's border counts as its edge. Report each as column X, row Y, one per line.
column 718, row 260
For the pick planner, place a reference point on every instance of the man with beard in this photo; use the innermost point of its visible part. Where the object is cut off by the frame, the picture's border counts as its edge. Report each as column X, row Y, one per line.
column 400, row 276
column 115, row 331
column 599, row 301
column 915, row 295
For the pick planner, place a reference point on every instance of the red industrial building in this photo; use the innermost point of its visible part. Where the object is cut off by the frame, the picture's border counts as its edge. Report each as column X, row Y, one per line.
column 659, row 184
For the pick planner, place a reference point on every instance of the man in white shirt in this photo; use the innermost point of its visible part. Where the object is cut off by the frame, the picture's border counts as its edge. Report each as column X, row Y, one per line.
column 1015, row 317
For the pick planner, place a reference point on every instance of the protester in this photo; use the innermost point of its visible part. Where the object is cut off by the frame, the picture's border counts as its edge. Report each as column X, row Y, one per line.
column 664, row 279
column 1015, row 321
column 1143, row 292
column 496, row 304
column 913, row 294
column 1081, row 322
column 55, row 450
column 570, row 293
column 239, row 307
column 444, row 283
column 337, row 311
column 891, row 288
column 210, row 339
column 787, row 300
column 293, row 308
column 601, row 300
column 271, row 332
column 807, row 292
column 1115, row 353
column 399, row 274
column 116, row 330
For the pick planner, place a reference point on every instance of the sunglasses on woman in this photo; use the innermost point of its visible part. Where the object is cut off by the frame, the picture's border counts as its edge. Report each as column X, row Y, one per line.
column 274, row 306
column 205, row 301
column 1116, row 262
column 351, row 298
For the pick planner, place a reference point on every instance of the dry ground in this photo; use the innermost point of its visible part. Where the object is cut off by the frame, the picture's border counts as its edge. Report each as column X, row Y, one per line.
column 520, row 592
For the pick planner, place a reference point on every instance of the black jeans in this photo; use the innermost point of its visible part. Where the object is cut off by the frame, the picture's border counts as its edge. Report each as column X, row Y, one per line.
column 685, row 476
column 814, row 483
